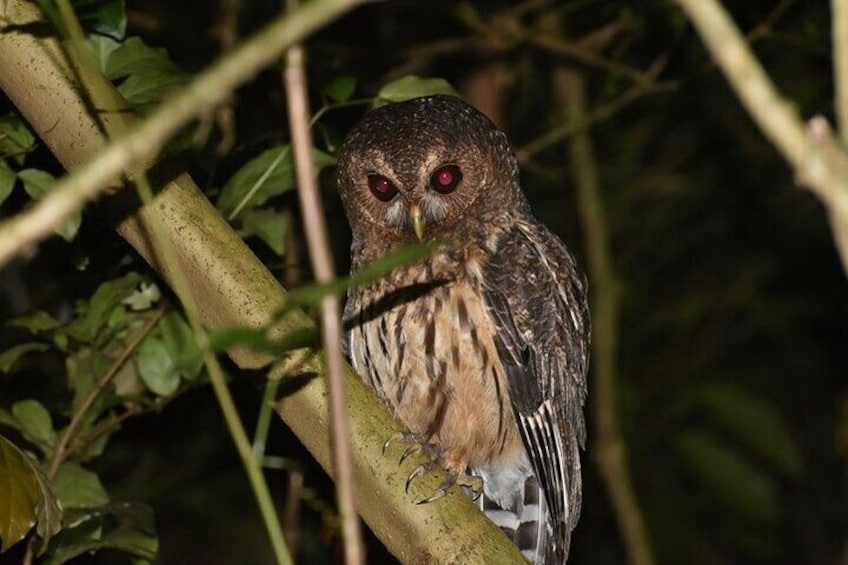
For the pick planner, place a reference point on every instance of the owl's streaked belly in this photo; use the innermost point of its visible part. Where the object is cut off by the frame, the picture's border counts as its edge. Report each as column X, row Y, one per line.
column 429, row 353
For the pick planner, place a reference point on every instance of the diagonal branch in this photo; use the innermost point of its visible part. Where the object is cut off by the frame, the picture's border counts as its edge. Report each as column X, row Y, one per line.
column 232, row 288
column 820, row 163
column 142, row 144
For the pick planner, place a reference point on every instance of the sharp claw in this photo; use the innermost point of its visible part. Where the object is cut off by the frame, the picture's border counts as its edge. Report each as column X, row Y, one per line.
column 437, row 494
column 411, row 450
column 395, row 437
column 417, row 472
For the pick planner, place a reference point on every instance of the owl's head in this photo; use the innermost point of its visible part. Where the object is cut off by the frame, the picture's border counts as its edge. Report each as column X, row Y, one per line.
column 426, row 168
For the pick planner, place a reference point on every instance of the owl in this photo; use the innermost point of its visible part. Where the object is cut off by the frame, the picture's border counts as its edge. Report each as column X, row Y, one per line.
column 480, row 350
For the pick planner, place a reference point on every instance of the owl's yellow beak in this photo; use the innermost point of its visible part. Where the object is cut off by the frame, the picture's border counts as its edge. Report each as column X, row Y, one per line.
column 417, row 221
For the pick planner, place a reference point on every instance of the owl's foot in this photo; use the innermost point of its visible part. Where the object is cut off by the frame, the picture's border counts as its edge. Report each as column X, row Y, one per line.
column 437, row 458
column 473, row 484
column 405, row 437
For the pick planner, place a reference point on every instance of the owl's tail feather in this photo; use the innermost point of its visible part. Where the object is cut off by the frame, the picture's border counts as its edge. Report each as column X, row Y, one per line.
column 524, row 522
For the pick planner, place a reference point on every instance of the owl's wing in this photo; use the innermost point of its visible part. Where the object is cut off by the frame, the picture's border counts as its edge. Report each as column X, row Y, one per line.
column 537, row 297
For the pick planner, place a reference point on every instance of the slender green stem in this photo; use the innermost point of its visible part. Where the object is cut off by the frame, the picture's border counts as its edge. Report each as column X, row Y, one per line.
column 252, row 466
column 610, row 446
column 263, row 422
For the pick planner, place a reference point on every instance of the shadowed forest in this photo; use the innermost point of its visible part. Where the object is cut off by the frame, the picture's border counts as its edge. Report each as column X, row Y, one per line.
column 718, row 296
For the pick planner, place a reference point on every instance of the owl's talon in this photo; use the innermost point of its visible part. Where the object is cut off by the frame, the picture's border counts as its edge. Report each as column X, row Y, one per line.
column 411, row 450
column 402, row 437
column 418, row 471
column 471, row 483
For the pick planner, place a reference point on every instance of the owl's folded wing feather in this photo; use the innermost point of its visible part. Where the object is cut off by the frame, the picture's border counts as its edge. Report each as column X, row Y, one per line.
column 537, row 298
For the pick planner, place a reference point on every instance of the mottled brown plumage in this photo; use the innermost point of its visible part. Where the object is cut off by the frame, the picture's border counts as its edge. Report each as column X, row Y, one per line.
column 481, row 349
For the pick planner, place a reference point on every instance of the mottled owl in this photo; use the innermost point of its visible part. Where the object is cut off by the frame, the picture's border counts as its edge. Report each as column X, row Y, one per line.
column 480, row 350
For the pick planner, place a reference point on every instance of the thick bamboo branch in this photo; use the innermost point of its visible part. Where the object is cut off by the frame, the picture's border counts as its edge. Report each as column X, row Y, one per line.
column 232, row 288
column 819, row 162
column 609, row 445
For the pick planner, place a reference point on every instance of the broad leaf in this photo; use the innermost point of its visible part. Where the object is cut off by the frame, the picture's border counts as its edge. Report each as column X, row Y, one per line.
column 8, row 178
column 340, row 89
column 148, row 74
column 11, row 356
column 156, row 367
column 76, row 487
column 412, row 86
column 15, row 138
column 266, row 224
column 181, row 346
column 267, row 175
column 37, row 184
column 35, row 423
column 133, row 532
column 36, row 321
column 19, row 494
column 106, row 298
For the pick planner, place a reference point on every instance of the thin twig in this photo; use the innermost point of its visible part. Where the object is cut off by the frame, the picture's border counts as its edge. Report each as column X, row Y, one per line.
column 819, row 162
column 840, row 65
column 144, row 142
column 610, row 447
column 568, row 128
column 59, row 454
column 321, row 257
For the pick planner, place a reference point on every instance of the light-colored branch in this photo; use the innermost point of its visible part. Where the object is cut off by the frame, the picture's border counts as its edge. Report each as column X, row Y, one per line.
column 839, row 9
column 321, row 257
column 232, row 288
column 143, row 143
column 819, row 162
column 609, row 445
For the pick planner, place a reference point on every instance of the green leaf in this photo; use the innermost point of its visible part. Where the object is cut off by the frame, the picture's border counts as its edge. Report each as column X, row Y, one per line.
column 11, row 356
column 19, row 494
column 148, row 73
column 36, row 321
column 730, row 479
column 340, row 89
column 755, row 422
column 35, row 422
column 267, row 175
column 266, row 224
column 8, row 178
column 37, row 184
column 181, row 345
column 156, row 367
column 223, row 340
column 412, row 86
column 84, row 367
column 76, row 487
column 311, row 295
column 106, row 298
column 92, row 530
column 103, row 46
column 15, row 138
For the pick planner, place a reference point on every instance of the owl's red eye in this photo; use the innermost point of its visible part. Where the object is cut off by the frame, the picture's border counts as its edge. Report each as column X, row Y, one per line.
column 381, row 187
column 446, row 179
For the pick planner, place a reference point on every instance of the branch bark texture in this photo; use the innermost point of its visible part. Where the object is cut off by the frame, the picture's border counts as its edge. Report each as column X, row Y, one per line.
column 232, row 288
